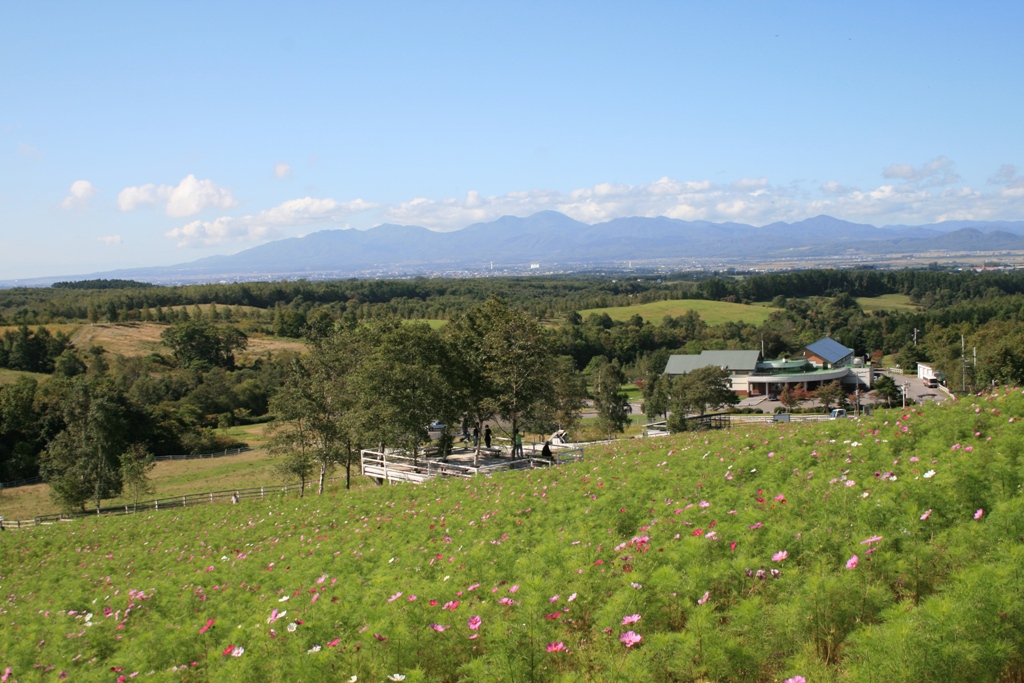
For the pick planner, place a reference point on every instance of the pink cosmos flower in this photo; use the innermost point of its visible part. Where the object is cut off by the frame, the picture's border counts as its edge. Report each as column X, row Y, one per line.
column 6, row 675
column 795, row 679
column 554, row 598
column 630, row 619
column 979, row 513
column 557, row 647
column 780, row 556
column 630, row 639
column 438, row 627
column 926, row 515
column 781, row 498
column 704, row 598
column 571, row 598
column 732, row 546
column 411, row 598
column 758, row 525
column 474, row 623
column 395, row 596
column 513, row 588
column 852, row 562
column 869, row 541
column 209, row 623
column 705, row 504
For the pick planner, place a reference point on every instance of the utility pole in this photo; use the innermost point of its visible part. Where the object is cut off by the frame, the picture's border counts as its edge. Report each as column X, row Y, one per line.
column 963, row 366
column 915, row 335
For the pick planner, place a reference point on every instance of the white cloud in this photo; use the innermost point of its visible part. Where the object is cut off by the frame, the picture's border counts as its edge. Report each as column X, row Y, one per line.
column 920, row 195
column 78, row 195
column 938, row 171
column 267, row 224
column 109, row 240
column 925, row 197
column 282, row 169
column 188, row 198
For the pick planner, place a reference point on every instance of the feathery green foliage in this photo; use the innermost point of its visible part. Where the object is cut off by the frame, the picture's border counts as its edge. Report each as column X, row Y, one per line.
column 885, row 549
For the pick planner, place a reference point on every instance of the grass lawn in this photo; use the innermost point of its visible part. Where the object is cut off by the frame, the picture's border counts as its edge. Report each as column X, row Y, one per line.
column 12, row 376
column 887, row 302
column 175, row 477
column 434, row 324
column 711, row 312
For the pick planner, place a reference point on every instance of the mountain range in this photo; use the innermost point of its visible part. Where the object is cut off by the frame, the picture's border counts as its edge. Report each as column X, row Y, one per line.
column 556, row 241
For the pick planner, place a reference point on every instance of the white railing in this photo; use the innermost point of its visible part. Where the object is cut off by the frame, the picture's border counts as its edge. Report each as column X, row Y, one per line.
column 399, row 467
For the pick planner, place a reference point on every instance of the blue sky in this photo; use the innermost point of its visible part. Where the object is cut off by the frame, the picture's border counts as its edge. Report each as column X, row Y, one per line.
column 135, row 134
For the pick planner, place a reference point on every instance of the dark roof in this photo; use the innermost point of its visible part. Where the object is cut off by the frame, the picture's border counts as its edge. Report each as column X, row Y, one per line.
column 680, row 364
column 829, row 349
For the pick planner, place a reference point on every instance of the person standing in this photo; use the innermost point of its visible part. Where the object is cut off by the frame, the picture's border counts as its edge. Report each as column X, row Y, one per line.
column 517, row 447
column 476, row 436
column 487, row 436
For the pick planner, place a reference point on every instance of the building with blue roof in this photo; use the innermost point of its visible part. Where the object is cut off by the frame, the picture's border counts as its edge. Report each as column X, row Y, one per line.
column 828, row 353
column 824, row 361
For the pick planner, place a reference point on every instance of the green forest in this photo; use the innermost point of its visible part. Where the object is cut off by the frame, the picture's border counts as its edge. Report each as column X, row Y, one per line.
column 83, row 410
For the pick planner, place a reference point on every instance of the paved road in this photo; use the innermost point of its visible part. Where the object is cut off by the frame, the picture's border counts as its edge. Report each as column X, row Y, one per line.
column 916, row 390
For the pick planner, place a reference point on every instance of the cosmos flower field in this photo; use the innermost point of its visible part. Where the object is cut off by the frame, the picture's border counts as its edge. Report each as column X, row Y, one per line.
column 885, row 549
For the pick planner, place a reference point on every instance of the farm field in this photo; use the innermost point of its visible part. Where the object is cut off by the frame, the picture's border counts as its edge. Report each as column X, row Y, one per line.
column 711, row 312
column 171, row 478
column 887, row 302
column 142, row 339
column 886, row 549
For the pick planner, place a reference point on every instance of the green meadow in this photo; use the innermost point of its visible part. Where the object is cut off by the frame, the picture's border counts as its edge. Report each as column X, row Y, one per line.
column 711, row 312
column 885, row 549
column 888, row 302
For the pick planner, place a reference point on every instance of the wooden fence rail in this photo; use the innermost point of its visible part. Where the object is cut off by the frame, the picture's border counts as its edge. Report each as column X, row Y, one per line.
column 171, row 503
column 159, row 458
column 200, row 456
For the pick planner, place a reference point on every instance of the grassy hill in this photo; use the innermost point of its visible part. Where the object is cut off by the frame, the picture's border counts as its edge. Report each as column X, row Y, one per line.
column 888, row 302
column 711, row 312
column 888, row 549
column 142, row 339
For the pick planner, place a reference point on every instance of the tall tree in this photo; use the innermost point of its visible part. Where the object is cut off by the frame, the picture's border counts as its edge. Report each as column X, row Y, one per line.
column 199, row 344
column 404, row 384
column 698, row 391
column 82, row 461
column 611, row 403
column 831, row 394
column 505, row 366
column 136, row 464
column 320, row 400
column 291, row 436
